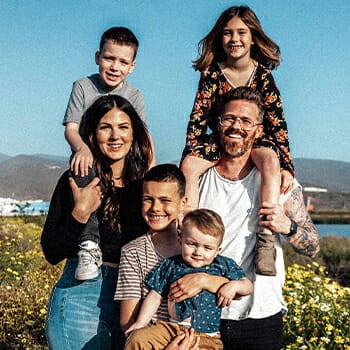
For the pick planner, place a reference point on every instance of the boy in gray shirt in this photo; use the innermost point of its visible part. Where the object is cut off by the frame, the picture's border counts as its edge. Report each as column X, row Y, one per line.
column 116, row 60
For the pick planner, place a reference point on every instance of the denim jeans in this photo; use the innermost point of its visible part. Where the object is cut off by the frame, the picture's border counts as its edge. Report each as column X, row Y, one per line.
column 83, row 314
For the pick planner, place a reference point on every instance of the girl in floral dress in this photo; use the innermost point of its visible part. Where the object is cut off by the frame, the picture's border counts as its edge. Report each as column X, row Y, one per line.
column 237, row 52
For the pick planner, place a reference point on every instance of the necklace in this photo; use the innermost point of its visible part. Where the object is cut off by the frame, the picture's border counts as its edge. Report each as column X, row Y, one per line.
column 250, row 78
column 245, row 170
column 231, row 178
column 118, row 181
column 249, row 82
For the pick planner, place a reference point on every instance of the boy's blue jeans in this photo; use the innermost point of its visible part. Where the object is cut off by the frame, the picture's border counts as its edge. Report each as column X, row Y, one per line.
column 83, row 314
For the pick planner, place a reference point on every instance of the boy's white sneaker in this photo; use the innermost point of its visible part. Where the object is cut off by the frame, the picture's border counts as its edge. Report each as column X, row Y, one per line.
column 90, row 258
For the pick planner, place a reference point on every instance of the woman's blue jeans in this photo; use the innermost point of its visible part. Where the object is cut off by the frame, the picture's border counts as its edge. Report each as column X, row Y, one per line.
column 83, row 314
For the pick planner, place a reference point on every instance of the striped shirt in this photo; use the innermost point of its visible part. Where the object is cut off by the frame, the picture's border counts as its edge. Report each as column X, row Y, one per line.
column 138, row 258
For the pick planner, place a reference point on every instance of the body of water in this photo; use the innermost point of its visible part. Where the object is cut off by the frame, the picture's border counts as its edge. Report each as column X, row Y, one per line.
column 337, row 230
column 323, row 230
column 38, row 208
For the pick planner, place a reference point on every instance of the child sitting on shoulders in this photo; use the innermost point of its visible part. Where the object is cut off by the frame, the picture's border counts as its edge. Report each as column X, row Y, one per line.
column 116, row 60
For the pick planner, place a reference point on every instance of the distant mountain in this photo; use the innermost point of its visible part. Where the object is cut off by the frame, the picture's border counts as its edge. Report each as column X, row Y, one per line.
column 27, row 177
column 30, row 177
column 330, row 174
column 52, row 157
column 3, row 157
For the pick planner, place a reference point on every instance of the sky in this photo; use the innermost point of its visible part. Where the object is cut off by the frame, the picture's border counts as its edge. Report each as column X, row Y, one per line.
column 47, row 45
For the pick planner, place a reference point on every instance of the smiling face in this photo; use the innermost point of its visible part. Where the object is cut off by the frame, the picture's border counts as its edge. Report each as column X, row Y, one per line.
column 114, row 135
column 236, row 39
column 115, row 62
column 161, row 204
column 236, row 141
column 198, row 249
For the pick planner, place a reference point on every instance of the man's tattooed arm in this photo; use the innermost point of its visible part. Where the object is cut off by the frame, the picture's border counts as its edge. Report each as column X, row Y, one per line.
column 306, row 239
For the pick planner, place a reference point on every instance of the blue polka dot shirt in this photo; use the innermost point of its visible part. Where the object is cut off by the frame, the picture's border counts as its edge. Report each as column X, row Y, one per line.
column 202, row 308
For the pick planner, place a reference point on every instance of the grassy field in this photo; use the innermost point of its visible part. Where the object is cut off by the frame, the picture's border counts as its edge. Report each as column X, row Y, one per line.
column 318, row 305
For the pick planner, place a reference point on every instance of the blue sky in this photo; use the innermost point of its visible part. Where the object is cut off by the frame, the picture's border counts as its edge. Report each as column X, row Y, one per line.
column 46, row 45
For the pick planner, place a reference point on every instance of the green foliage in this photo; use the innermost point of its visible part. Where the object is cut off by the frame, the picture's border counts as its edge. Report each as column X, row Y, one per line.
column 318, row 310
column 21, row 207
column 26, row 281
column 318, row 316
column 334, row 254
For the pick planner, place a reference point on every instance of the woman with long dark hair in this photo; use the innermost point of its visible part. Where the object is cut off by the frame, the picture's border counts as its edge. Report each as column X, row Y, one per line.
column 83, row 314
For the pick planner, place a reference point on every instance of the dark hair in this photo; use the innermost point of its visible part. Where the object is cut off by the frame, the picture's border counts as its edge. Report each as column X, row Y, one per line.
column 248, row 94
column 136, row 161
column 207, row 221
column 264, row 50
column 120, row 35
column 167, row 173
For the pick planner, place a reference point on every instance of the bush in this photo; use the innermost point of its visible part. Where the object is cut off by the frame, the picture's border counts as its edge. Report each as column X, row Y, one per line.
column 26, row 281
column 318, row 310
column 334, row 254
column 318, row 316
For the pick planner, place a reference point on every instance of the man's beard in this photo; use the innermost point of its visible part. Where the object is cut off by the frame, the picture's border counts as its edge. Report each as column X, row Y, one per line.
column 234, row 149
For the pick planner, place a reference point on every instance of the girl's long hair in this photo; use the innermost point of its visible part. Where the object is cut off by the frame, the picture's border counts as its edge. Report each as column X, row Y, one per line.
column 136, row 161
column 264, row 50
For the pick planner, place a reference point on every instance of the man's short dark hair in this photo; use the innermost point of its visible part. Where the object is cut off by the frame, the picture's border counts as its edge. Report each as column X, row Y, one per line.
column 248, row 94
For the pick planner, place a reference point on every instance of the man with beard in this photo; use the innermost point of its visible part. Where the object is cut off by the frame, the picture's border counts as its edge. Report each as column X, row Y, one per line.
column 231, row 188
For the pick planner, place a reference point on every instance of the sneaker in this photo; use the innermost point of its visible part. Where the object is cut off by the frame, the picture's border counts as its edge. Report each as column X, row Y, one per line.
column 265, row 254
column 90, row 258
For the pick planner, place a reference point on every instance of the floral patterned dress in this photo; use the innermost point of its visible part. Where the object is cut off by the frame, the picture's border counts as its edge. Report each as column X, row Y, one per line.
column 212, row 86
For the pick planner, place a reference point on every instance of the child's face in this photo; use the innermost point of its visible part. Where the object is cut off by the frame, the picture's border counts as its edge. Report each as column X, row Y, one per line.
column 161, row 204
column 115, row 63
column 236, row 39
column 198, row 249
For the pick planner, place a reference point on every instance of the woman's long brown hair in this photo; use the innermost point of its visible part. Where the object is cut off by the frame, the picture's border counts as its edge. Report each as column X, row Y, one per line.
column 136, row 161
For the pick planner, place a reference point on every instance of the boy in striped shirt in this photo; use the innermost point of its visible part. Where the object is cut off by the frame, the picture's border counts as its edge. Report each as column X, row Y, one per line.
column 163, row 201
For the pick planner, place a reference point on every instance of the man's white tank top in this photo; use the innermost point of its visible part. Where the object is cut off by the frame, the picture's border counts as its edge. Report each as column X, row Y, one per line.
column 237, row 202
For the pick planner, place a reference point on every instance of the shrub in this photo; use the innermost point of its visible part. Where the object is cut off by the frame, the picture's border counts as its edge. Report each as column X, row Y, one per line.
column 318, row 316
column 26, row 281
column 318, row 310
column 334, row 254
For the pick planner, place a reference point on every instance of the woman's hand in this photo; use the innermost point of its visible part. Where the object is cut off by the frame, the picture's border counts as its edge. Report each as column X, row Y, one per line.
column 183, row 341
column 86, row 199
